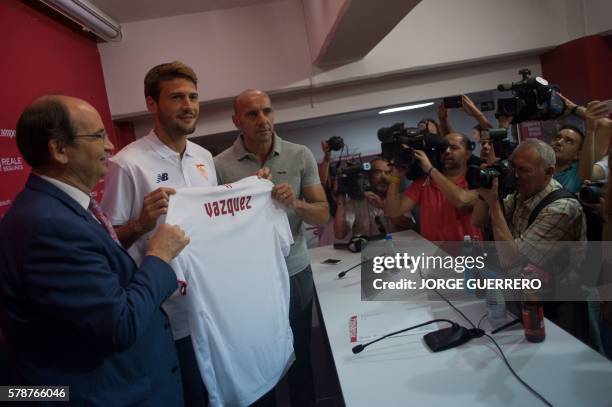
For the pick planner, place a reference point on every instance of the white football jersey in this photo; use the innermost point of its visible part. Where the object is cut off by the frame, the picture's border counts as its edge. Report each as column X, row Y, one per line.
column 237, row 286
column 140, row 168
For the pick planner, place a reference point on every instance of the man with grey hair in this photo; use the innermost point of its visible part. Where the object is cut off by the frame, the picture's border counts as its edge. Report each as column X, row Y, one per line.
column 562, row 220
column 559, row 217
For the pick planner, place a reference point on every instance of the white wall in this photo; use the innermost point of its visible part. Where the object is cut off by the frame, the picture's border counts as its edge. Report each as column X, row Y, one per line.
column 264, row 46
column 344, row 99
column 360, row 134
column 259, row 46
column 598, row 16
column 322, row 17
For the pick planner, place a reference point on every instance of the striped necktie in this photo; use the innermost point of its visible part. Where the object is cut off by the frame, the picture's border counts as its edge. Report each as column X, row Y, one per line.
column 95, row 209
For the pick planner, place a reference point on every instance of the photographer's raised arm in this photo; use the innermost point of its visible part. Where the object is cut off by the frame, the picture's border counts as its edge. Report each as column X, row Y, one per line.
column 470, row 109
column 593, row 112
column 397, row 204
column 508, row 251
column 324, row 165
column 445, row 125
column 480, row 213
column 341, row 226
column 457, row 196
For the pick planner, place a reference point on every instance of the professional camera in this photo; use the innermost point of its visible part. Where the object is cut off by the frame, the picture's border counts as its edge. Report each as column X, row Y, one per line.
column 502, row 146
column 394, row 139
column 534, row 99
column 591, row 193
column 353, row 179
column 482, row 177
column 335, row 143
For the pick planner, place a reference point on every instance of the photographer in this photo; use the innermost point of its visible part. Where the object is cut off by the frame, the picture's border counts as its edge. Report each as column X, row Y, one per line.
column 561, row 220
column 444, row 200
column 577, row 152
column 487, row 152
column 469, row 107
column 365, row 216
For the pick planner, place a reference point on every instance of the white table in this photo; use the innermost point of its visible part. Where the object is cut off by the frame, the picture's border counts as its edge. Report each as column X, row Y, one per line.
column 403, row 371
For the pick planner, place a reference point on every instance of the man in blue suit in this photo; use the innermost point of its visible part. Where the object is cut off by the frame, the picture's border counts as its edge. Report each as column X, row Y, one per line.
column 76, row 310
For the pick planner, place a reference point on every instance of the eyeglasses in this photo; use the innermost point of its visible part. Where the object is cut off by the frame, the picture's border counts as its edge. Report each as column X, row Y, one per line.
column 95, row 136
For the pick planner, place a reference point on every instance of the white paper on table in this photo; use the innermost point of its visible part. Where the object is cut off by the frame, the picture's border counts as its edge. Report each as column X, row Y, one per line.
column 372, row 326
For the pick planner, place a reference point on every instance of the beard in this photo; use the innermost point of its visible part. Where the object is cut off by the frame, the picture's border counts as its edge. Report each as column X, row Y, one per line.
column 451, row 165
column 174, row 128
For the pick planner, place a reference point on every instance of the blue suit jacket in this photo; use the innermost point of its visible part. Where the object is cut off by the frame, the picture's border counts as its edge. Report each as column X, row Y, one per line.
column 77, row 310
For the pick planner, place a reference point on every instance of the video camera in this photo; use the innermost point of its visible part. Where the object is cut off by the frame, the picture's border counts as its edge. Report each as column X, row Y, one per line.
column 534, row 99
column 353, row 179
column 482, row 177
column 394, row 139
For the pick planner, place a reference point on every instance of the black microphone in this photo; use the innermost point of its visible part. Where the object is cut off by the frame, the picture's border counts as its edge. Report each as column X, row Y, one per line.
column 343, row 273
column 437, row 341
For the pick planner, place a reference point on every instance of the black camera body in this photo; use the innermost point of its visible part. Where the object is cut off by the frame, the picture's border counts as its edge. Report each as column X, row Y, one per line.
column 394, row 139
column 534, row 99
column 482, row 177
column 335, row 143
column 478, row 177
column 498, row 137
column 353, row 179
column 592, row 193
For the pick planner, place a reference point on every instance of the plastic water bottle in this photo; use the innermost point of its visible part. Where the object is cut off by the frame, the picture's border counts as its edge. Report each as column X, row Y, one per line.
column 496, row 304
column 390, row 250
column 468, row 273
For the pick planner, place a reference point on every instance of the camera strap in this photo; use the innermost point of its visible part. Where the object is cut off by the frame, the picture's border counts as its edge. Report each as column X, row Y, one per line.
column 555, row 195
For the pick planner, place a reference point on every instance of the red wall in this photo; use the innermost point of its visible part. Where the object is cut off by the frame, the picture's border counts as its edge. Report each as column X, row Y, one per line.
column 582, row 68
column 41, row 55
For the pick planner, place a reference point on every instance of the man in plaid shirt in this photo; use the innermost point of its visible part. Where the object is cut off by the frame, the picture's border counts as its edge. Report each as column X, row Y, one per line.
column 537, row 244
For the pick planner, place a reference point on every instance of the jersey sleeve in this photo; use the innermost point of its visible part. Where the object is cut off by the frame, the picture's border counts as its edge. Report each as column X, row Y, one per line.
column 119, row 194
column 278, row 217
column 176, row 216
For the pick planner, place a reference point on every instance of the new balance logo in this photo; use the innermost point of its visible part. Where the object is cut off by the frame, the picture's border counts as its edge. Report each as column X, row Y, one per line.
column 162, row 177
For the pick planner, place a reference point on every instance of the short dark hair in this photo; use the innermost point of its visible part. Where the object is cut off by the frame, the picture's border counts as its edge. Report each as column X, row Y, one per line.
column 573, row 128
column 166, row 72
column 44, row 120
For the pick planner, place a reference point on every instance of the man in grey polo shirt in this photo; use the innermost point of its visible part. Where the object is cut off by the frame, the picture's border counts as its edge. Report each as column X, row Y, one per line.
column 297, row 186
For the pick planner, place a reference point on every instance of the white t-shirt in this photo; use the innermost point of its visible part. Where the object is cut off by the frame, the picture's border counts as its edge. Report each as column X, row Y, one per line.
column 237, row 286
column 140, row 168
column 603, row 163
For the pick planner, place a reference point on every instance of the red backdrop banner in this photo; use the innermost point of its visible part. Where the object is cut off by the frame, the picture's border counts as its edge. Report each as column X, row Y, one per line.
column 41, row 54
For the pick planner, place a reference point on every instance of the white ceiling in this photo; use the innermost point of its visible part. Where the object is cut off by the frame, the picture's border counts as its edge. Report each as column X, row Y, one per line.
column 124, row 11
